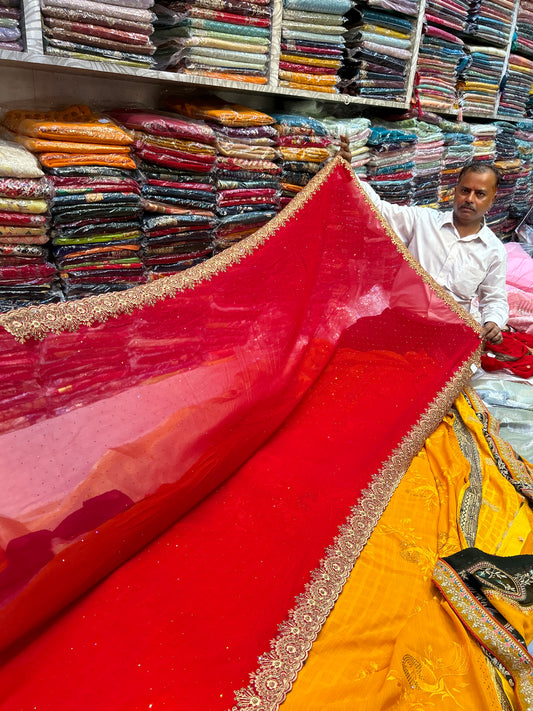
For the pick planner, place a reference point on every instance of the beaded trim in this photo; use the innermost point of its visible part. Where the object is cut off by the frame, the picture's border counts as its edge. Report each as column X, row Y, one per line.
column 514, row 657
column 279, row 667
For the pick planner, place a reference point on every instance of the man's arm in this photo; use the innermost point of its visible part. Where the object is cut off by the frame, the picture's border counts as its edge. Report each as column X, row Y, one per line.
column 493, row 304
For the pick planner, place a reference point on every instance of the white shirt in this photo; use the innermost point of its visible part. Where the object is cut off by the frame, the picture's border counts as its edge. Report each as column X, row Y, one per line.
column 467, row 267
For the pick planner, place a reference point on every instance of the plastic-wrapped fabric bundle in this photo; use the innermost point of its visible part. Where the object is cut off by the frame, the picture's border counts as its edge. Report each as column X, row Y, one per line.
column 509, row 164
column 247, row 176
column 246, row 171
column 176, row 157
column 95, row 208
column 27, row 275
column 245, row 203
column 312, row 41
column 523, row 38
column 305, row 145
column 102, row 31
column 222, row 40
column 523, row 194
column 490, row 21
column 451, row 14
column 484, row 141
column 440, row 59
column 11, row 37
column 357, row 131
column 392, row 161
column 482, row 80
column 458, row 150
column 518, row 87
column 377, row 55
column 427, row 161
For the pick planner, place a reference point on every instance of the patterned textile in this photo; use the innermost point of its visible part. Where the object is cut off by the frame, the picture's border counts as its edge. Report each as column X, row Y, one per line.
column 302, row 357
column 243, row 29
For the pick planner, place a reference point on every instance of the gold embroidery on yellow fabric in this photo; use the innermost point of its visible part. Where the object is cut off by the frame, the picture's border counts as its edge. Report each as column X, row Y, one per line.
column 279, row 667
column 425, row 678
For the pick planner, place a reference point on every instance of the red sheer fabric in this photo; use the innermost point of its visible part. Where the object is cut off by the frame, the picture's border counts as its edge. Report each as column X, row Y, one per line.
column 249, row 413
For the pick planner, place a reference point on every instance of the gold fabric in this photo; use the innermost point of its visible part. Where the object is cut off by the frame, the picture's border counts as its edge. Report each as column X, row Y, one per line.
column 391, row 641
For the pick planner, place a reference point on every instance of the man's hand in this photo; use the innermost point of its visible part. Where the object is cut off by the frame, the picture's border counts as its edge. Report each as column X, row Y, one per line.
column 491, row 332
column 344, row 150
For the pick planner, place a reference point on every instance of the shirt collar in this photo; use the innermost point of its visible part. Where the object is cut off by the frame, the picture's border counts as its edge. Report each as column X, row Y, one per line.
column 484, row 233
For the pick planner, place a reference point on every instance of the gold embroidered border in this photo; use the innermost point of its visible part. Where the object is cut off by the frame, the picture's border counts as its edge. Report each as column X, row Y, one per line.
column 484, row 627
column 279, row 667
column 419, row 269
column 520, row 470
column 37, row 321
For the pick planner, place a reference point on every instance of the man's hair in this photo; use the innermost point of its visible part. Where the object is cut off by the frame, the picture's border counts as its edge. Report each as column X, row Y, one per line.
column 480, row 167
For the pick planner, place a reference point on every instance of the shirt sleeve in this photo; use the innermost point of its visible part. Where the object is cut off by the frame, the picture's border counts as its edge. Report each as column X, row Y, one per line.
column 492, row 293
column 402, row 218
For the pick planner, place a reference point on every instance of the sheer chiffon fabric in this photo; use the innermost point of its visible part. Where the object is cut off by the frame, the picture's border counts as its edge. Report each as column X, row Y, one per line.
column 252, row 384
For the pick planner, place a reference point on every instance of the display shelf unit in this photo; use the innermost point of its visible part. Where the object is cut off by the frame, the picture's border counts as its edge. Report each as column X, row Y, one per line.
column 35, row 58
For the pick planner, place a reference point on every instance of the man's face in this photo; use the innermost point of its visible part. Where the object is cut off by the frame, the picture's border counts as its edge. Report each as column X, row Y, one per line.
column 474, row 194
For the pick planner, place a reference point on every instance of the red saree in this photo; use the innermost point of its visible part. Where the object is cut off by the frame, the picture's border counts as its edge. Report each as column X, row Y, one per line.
column 262, row 407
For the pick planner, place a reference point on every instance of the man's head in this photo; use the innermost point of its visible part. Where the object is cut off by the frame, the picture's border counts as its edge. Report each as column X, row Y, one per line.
column 474, row 194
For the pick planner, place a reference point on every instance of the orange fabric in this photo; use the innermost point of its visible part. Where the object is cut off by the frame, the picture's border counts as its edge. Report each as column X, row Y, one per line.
column 40, row 145
column 113, row 160
column 214, row 109
column 391, row 640
column 76, row 123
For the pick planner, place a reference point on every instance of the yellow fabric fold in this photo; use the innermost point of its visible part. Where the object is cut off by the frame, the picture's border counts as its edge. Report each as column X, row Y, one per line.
column 391, row 641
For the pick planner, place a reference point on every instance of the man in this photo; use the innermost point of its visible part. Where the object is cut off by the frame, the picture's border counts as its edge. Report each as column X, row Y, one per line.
column 456, row 247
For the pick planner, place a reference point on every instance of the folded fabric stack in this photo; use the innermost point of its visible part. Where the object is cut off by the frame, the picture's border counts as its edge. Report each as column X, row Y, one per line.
column 428, row 161
column 497, row 217
column 96, row 207
column 510, row 166
column 26, row 274
column 458, row 151
column 392, row 162
column 305, row 145
column 10, row 31
column 523, row 194
column 221, row 39
column 357, row 131
column 482, row 80
column 406, row 7
column 378, row 51
column 246, row 174
column 490, row 21
column 518, row 87
column 248, row 181
column 448, row 13
column 312, row 42
column 441, row 60
column 484, row 141
column 117, row 31
column 176, row 156
column 523, row 39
